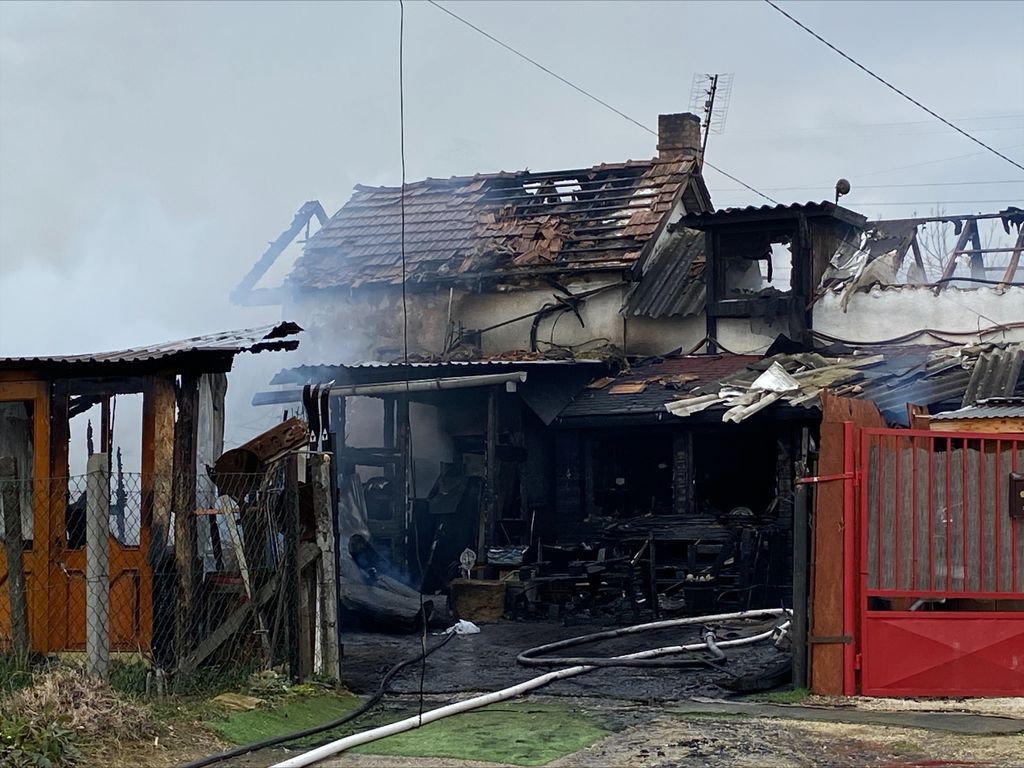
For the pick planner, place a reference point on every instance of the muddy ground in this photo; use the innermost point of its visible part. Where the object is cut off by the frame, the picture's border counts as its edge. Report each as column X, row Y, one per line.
column 650, row 712
column 487, row 662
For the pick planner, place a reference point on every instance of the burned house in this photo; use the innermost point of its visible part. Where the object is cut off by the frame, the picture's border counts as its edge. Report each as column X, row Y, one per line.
column 620, row 399
column 493, row 262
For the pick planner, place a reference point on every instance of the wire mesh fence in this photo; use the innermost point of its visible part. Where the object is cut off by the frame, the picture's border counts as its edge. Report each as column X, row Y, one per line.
column 186, row 580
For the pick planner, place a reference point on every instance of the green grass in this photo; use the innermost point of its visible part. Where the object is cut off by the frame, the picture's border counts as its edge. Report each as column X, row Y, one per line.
column 288, row 715
column 793, row 696
column 519, row 733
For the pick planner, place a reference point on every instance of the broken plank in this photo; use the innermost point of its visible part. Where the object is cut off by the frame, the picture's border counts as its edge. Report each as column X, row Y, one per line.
column 236, row 620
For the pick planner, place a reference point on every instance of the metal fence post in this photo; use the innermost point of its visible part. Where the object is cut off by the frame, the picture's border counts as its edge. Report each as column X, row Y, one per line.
column 97, row 567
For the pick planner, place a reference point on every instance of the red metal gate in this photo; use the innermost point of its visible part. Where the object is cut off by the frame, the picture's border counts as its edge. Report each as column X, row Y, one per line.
column 941, row 565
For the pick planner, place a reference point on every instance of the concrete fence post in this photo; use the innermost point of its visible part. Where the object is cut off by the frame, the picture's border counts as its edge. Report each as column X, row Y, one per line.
column 97, row 567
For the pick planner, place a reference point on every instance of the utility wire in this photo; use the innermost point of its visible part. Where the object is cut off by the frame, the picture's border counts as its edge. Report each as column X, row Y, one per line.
column 884, row 186
column 892, row 87
column 587, row 93
column 406, row 440
column 928, row 162
column 933, row 202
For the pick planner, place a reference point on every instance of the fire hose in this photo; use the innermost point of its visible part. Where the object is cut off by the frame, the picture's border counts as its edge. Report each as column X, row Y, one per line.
column 416, row 721
column 359, row 711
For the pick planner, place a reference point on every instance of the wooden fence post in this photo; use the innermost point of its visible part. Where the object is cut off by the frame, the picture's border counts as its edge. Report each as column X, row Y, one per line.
column 97, row 567
column 323, row 511
column 292, row 571
column 15, row 565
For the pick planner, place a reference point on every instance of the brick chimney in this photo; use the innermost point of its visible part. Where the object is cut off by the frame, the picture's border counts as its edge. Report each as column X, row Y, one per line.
column 678, row 136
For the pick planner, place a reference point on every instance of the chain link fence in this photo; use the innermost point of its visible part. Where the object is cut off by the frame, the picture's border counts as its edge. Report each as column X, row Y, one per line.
column 163, row 583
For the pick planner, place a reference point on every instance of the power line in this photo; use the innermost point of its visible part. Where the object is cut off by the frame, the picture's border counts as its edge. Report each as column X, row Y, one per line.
column 933, row 202
column 887, row 186
column 405, row 447
column 586, row 93
column 892, row 87
column 930, row 162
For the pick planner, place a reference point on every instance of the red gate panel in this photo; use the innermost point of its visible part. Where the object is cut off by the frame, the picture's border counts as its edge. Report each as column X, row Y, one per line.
column 943, row 654
column 936, row 534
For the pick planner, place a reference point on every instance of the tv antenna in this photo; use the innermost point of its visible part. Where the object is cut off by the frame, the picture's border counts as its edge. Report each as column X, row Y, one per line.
column 709, row 95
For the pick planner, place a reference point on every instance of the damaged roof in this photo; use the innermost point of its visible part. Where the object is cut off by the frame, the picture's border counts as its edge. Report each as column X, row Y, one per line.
column 889, row 376
column 647, row 386
column 214, row 348
column 780, row 211
column 672, row 280
column 499, row 224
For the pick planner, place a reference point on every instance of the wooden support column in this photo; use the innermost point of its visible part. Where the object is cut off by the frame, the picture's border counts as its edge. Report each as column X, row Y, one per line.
column 323, row 510
column 15, row 546
column 48, row 627
column 97, row 567
column 389, row 432
column 184, row 506
column 682, row 474
column 488, row 512
column 158, row 406
column 403, row 499
column 801, row 568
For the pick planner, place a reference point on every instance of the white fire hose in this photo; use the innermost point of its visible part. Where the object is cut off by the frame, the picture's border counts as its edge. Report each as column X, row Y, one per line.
column 411, row 723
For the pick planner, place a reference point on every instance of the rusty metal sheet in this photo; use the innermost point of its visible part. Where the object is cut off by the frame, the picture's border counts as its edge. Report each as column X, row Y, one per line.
column 271, row 337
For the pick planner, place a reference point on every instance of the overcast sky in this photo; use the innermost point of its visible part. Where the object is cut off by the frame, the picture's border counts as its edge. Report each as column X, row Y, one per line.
column 148, row 152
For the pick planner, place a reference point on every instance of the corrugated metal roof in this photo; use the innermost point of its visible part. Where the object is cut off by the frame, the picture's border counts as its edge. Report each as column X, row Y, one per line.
column 995, row 374
column 271, row 337
column 667, row 379
column 890, row 376
column 361, row 373
column 823, row 208
column 599, row 217
column 992, row 408
column 672, row 283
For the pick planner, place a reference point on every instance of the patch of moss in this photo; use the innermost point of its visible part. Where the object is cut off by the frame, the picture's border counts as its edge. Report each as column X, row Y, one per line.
column 286, row 716
column 517, row 734
column 791, row 696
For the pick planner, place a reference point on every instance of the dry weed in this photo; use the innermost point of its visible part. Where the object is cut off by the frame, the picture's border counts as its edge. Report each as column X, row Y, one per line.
column 85, row 705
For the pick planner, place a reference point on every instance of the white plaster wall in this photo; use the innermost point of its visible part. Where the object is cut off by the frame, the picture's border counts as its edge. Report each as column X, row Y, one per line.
column 346, row 327
column 748, row 336
column 885, row 314
column 647, row 336
column 600, row 314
